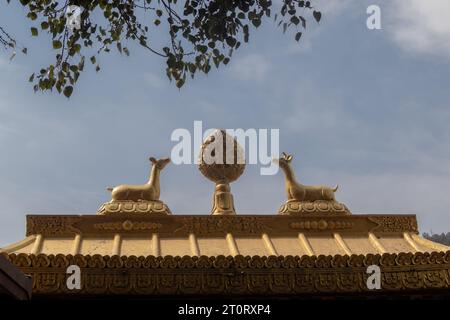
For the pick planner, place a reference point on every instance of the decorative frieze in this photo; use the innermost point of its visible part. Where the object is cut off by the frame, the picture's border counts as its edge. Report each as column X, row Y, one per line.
column 239, row 225
column 314, row 207
column 394, row 223
column 322, row 225
column 224, row 224
column 128, row 225
column 111, row 275
column 150, row 207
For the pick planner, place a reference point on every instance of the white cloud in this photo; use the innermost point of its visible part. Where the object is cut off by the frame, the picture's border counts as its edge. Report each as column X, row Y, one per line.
column 332, row 8
column 399, row 165
column 420, row 26
column 154, row 81
column 419, row 193
column 251, row 67
column 7, row 64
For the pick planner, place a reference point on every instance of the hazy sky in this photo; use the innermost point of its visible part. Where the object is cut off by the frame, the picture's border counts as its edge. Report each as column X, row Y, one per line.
column 368, row 110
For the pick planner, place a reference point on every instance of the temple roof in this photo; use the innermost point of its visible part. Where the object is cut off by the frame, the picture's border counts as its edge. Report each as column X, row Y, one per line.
column 134, row 234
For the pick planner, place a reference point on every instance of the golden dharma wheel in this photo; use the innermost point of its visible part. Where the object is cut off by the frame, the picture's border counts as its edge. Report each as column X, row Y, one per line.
column 221, row 158
column 222, row 161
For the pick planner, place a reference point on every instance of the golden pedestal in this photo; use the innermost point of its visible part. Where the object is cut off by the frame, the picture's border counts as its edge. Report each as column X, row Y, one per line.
column 223, row 203
column 293, row 207
column 127, row 206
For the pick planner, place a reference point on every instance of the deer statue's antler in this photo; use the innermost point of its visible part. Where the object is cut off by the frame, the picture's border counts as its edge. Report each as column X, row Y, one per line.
column 286, row 156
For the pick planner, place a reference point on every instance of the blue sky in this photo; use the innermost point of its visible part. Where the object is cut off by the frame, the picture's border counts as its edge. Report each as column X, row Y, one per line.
column 368, row 110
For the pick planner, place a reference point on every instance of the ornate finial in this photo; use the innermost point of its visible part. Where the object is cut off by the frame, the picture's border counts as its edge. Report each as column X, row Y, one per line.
column 222, row 161
column 138, row 198
column 307, row 199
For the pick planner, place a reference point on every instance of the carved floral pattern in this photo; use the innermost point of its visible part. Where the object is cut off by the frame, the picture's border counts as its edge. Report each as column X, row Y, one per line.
column 114, row 207
column 314, row 207
column 235, row 275
column 322, row 225
column 51, row 226
column 205, row 225
column 395, row 223
column 128, row 225
column 60, row 225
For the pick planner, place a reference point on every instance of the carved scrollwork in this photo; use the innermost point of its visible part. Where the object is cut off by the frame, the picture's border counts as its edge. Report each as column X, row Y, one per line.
column 339, row 261
column 128, row 225
column 288, row 262
column 224, row 224
column 313, row 207
column 371, row 259
column 272, row 262
column 322, row 224
column 126, row 206
column 395, row 223
column 212, row 226
column 405, row 258
column 234, row 275
column 323, row 261
column 222, row 262
column 357, row 260
column 51, row 226
column 97, row 261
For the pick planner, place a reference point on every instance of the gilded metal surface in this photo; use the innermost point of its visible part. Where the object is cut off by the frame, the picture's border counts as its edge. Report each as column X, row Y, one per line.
column 114, row 207
column 138, row 198
column 322, row 224
column 211, row 226
column 393, row 225
column 302, row 199
column 147, row 192
column 239, row 275
column 128, row 225
column 292, row 207
column 221, row 161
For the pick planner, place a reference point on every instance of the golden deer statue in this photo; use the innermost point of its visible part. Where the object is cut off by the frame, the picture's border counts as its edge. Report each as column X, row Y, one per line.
column 299, row 192
column 146, row 192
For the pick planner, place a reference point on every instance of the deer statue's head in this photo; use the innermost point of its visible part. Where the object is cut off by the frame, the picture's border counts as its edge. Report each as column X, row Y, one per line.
column 284, row 160
column 161, row 163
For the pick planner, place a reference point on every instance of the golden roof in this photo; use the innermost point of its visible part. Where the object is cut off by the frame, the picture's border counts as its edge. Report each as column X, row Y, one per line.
column 138, row 234
column 134, row 245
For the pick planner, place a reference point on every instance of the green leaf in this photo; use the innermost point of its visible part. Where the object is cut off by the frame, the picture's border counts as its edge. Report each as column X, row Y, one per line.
column 32, row 15
column 317, row 15
column 57, row 44
column 256, row 22
column 180, row 83
column 44, row 25
column 303, row 22
column 81, row 64
column 231, row 41
column 295, row 20
column 68, row 91
column 34, row 32
column 246, row 33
